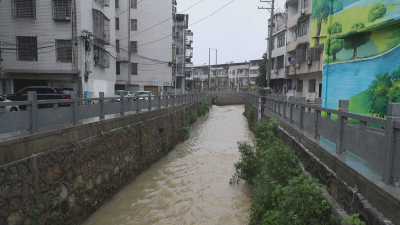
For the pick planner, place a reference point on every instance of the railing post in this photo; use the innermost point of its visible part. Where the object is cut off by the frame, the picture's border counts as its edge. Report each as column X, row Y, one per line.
column 149, row 102
column 102, row 114
column 318, row 103
column 32, row 97
column 279, row 107
column 75, row 105
column 259, row 109
column 284, row 108
column 343, row 107
column 291, row 99
column 302, row 109
column 137, row 104
column 393, row 115
column 159, row 102
column 173, row 100
column 122, row 100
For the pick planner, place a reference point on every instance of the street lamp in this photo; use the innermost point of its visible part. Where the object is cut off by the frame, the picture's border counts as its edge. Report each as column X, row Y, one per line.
column 209, row 64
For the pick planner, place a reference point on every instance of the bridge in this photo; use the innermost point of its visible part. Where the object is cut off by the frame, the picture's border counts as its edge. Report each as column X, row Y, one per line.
column 74, row 153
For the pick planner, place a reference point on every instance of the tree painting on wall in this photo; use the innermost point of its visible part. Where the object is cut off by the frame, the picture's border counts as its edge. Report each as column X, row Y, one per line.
column 384, row 89
column 356, row 39
column 377, row 11
column 333, row 45
column 321, row 9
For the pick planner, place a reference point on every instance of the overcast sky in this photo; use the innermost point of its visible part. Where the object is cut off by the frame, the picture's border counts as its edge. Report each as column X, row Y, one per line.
column 240, row 25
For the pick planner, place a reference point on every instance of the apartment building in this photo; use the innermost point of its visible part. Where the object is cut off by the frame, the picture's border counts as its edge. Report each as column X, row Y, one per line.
column 200, row 76
column 280, row 83
column 64, row 44
column 183, row 40
column 238, row 75
column 145, row 52
column 303, row 64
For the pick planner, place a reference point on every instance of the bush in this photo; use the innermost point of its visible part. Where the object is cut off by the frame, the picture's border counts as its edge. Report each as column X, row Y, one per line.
column 377, row 11
column 262, row 91
column 250, row 116
column 185, row 130
column 203, row 108
column 283, row 195
column 193, row 117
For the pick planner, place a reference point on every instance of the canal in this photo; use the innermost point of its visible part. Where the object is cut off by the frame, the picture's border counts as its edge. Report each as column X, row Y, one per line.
column 191, row 184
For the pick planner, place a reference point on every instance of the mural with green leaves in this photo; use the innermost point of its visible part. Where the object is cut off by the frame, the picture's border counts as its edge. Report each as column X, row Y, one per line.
column 361, row 40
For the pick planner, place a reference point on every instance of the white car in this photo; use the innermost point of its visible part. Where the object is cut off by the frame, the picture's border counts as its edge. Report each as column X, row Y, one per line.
column 117, row 93
column 144, row 95
column 12, row 108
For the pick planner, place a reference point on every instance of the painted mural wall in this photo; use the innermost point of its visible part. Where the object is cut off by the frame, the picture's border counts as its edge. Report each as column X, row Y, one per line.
column 361, row 52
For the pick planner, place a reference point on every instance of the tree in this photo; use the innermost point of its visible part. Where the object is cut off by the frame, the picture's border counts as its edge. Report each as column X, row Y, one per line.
column 384, row 89
column 261, row 79
column 333, row 45
column 356, row 39
column 321, row 9
column 377, row 11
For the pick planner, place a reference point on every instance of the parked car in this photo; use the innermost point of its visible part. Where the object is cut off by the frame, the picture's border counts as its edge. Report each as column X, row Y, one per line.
column 43, row 93
column 144, row 95
column 117, row 93
column 12, row 108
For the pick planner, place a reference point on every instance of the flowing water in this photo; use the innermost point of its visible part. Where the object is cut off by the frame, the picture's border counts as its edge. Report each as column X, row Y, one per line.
column 191, row 184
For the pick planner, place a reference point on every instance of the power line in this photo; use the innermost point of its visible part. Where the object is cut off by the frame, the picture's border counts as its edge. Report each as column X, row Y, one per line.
column 192, row 23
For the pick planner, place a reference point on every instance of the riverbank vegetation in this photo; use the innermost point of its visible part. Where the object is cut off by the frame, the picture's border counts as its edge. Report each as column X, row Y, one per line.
column 283, row 194
column 190, row 118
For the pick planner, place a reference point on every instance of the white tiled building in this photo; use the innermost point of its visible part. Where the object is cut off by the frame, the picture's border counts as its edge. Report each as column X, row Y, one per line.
column 67, row 43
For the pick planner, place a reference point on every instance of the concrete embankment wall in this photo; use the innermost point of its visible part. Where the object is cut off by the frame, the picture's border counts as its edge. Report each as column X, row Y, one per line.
column 72, row 172
column 228, row 99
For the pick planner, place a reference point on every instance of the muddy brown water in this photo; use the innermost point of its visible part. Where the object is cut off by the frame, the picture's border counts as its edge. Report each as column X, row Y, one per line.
column 191, row 184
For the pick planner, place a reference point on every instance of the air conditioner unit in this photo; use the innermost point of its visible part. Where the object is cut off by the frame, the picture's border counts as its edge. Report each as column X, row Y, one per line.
column 276, row 71
column 309, row 62
column 297, row 65
column 303, row 11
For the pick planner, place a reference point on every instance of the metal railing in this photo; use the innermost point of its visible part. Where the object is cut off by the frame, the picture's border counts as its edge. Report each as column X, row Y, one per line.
column 75, row 109
column 370, row 138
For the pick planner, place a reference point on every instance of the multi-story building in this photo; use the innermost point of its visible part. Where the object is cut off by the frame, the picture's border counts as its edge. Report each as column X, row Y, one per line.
column 91, row 46
column 183, row 39
column 200, row 76
column 303, row 64
column 145, row 51
column 238, row 75
column 254, row 71
column 62, row 44
column 279, row 84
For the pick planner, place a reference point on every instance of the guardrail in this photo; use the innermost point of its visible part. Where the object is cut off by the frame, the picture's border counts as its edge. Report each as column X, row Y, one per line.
column 370, row 138
column 78, row 109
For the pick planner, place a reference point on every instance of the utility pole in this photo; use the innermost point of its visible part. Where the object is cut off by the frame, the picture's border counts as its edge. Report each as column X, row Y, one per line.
column 128, row 88
column 271, row 30
column 216, row 60
column 209, row 68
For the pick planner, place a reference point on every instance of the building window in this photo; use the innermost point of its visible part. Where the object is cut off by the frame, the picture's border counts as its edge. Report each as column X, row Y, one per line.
column 117, row 45
column 304, row 4
column 280, row 62
column 27, row 48
column 118, row 68
column 134, row 24
column 24, row 8
column 134, row 4
column 301, row 54
column 64, row 50
column 177, row 51
column 116, row 23
column 303, row 28
column 101, row 26
column 281, row 40
column 299, row 85
column 62, row 10
column 100, row 57
column 134, row 69
column 177, row 34
column 273, row 43
column 311, row 85
column 116, row 3
column 133, row 46
column 272, row 63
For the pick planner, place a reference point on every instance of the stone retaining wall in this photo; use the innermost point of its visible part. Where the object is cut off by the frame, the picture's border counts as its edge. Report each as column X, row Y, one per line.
column 229, row 99
column 66, row 184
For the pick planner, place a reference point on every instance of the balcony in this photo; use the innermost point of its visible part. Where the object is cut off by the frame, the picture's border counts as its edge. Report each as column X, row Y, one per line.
column 281, row 27
column 189, row 53
column 101, row 27
column 101, row 57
